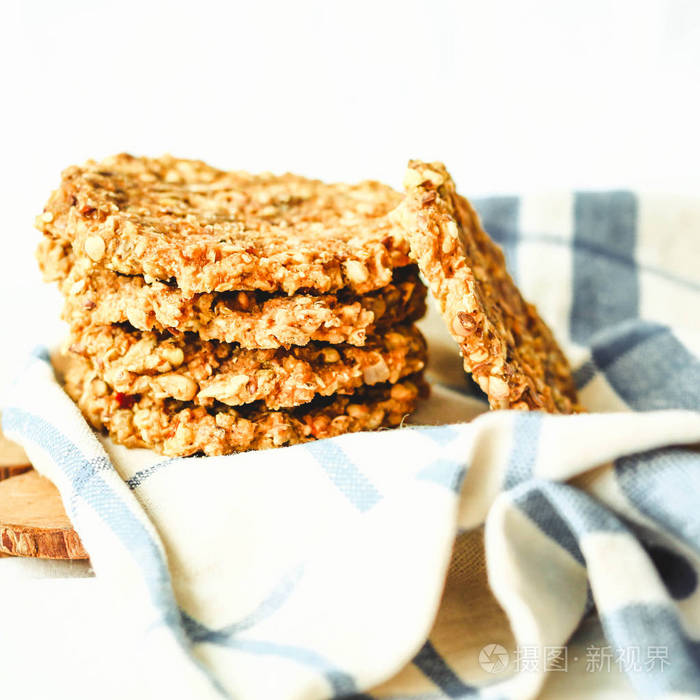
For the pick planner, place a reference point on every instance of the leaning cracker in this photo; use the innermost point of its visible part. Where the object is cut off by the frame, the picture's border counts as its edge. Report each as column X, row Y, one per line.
column 211, row 230
column 252, row 319
column 176, row 428
column 506, row 346
column 204, row 372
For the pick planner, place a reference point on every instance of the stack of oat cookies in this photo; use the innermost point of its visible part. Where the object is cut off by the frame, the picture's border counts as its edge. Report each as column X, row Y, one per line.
column 214, row 312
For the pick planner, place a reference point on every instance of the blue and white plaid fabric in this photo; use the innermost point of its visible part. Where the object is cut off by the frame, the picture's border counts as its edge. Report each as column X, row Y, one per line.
column 451, row 561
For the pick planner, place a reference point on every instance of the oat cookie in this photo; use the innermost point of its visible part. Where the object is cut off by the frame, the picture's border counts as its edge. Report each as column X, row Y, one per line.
column 252, row 319
column 506, row 346
column 204, row 372
column 211, row 230
column 176, row 428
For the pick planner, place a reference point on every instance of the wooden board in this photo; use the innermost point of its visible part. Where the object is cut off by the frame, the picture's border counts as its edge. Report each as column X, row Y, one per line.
column 33, row 522
column 7, row 472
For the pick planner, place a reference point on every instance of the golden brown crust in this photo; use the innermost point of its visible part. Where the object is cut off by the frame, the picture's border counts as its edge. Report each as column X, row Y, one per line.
column 252, row 319
column 205, row 372
column 176, row 428
column 505, row 344
column 212, row 230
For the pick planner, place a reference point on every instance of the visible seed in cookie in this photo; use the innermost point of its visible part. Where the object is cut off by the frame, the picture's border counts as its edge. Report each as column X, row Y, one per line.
column 356, row 271
column 136, row 316
column 498, row 388
column 319, row 424
column 177, row 385
column 394, row 340
column 243, row 300
column 357, row 410
column 94, row 248
column 99, row 387
column 448, row 243
column 77, row 287
column 378, row 372
column 47, row 217
column 330, row 355
column 403, row 392
column 224, row 420
column 462, row 325
column 236, row 383
column 226, row 389
column 172, row 355
column 479, row 355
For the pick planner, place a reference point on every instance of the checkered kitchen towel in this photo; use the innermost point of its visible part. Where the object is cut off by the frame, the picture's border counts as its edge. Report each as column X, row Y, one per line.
column 455, row 560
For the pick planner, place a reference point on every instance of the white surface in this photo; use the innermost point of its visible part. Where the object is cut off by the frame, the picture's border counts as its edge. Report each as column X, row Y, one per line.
column 512, row 96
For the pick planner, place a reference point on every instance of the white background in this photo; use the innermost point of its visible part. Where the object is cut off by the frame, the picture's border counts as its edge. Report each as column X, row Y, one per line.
column 513, row 96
